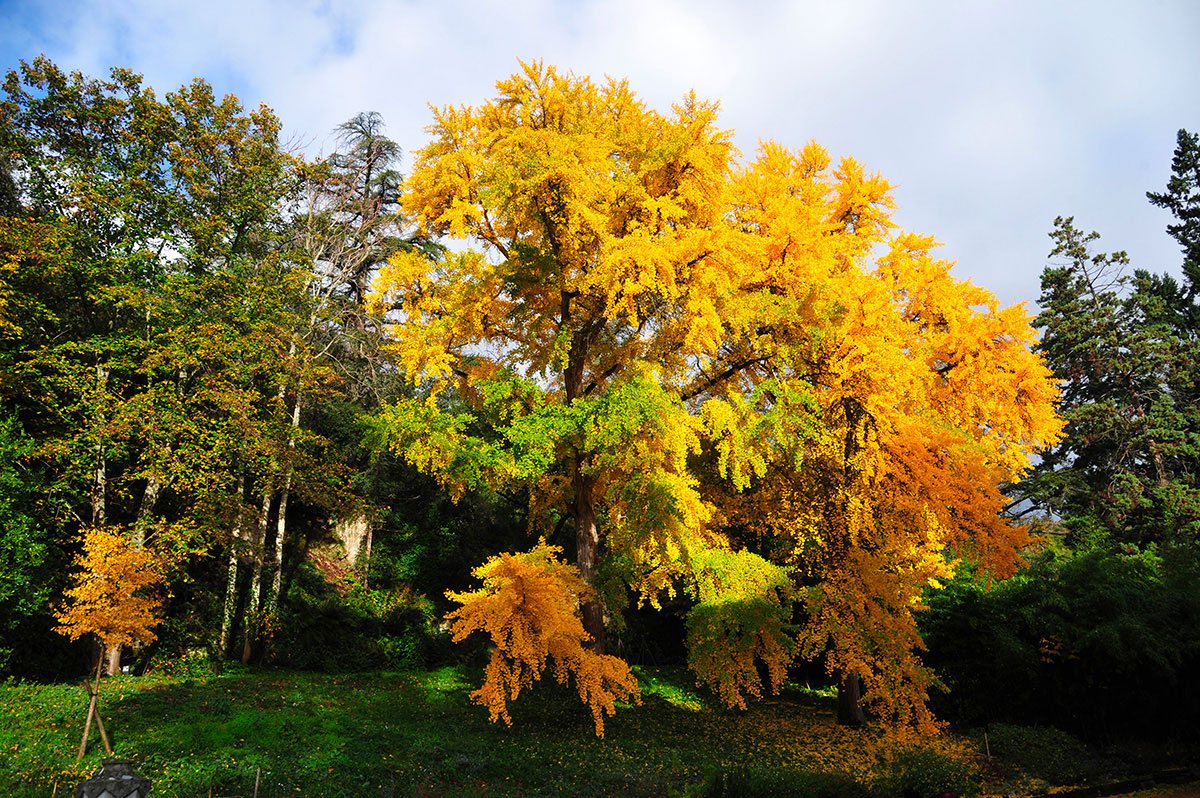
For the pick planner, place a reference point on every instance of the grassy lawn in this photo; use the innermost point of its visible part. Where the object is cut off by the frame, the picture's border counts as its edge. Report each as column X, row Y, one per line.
column 401, row 734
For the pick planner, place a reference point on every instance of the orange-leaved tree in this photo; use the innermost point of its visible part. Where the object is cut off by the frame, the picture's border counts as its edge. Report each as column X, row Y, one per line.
column 111, row 598
column 645, row 310
column 928, row 398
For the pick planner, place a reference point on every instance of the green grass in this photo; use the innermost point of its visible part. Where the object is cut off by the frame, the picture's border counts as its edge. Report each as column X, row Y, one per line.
column 403, row 734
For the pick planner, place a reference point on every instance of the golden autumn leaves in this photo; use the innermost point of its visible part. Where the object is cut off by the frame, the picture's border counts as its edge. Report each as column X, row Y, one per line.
column 691, row 356
column 528, row 606
column 110, row 596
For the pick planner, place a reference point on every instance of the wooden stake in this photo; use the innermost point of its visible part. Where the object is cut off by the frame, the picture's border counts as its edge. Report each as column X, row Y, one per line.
column 103, row 735
column 87, row 727
column 94, row 712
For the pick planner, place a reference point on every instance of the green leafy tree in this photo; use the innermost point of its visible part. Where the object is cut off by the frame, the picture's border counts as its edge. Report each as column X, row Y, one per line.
column 24, row 581
column 153, row 317
column 1127, row 348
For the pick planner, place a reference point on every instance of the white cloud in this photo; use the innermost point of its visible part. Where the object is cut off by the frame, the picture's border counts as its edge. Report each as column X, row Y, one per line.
column 991, row 117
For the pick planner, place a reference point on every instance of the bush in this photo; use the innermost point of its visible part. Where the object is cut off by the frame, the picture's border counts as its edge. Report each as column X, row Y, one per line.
column 1101, row 643
column 322, row 630
column 1043, row 753
column 777, row 783
column 922, row 773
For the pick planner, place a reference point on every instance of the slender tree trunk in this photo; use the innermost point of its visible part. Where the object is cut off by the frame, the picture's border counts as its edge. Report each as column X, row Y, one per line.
column 146, row 509
column 281, row 520
column 100, row 479
column 253, row 602
column 231, row 573
column 112, row 657
column 99, row 487
column 272, row 601
column 849, row 702
column 137, row 537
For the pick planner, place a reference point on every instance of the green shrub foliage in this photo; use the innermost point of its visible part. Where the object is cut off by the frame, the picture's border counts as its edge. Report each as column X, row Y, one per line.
column 1103, row 643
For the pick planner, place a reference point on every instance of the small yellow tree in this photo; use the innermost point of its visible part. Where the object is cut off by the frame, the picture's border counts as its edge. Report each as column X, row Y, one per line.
column 110, row 598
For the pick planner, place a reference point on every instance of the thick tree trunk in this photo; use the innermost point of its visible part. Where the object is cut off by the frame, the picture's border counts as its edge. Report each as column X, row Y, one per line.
column 587, row 544
column 587, row 535
column 231, row 574
column 112, row 661
column 849, row 702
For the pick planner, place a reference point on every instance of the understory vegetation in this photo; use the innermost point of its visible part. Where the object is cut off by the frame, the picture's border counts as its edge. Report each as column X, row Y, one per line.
column 415, row 733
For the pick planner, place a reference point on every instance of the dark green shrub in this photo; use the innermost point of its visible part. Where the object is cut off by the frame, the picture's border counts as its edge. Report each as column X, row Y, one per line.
column 1043, row 753
column 922, row 773
column 1102, row 643
column 777, row 783
column 322, row 630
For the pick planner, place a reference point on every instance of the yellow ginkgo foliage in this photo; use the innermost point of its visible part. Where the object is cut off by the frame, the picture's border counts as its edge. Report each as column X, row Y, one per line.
column 732, row 379
column 111, row 594
column 529, row 607
column 926, row 397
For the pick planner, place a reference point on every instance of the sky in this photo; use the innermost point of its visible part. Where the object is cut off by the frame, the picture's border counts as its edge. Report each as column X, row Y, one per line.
column 990, row 118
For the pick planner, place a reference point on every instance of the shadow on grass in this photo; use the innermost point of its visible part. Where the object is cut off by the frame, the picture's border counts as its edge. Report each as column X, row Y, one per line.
column 418, row 734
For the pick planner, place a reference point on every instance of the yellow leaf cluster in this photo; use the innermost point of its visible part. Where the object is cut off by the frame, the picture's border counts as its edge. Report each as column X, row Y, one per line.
column 109, row 595
column 740, row 621
column 529, row 607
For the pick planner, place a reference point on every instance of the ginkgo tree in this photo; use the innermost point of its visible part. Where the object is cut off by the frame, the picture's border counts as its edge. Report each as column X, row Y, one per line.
column 927, row 398
column 637, row 311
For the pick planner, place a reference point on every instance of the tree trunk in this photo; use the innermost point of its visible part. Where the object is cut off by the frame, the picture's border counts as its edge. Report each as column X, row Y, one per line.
column 137, row 537
column 150, row 496
column 277, row 554
column 112, row 660
column 587, row 544
column 366, row 559
column 255, row 597
column 100, row 480
column 111, row 657
column 98, row 489
column 849, row 702
column 281, row 521
column 231, row 573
